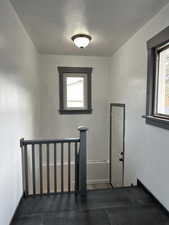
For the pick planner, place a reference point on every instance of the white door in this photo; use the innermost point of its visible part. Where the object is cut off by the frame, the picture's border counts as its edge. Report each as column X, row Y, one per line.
column 117, row 144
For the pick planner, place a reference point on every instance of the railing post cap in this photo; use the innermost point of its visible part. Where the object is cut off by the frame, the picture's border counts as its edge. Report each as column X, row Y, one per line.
column 21, row 142
column 81, row 128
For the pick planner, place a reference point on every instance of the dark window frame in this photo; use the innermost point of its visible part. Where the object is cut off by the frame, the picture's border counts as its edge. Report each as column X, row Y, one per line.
column 153, row 44
column 83, row 70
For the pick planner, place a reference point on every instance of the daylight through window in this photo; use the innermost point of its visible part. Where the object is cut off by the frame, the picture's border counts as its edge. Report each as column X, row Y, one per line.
column 75, row 92
column 162, row 82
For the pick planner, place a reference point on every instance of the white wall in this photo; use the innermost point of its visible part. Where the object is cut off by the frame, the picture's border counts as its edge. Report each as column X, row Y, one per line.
column 147, row 147
column 55, row 125
column 19, row 107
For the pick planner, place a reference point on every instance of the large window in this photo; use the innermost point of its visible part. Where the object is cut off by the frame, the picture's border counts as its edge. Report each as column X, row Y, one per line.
column 157, row 112
column 75, row 90
column 162, row 82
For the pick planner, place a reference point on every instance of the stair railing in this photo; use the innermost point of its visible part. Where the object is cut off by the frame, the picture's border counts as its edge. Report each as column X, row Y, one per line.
column 45, row 170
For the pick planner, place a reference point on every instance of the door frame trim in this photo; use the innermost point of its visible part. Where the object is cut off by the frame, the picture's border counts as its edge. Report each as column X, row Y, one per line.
column 110, row 141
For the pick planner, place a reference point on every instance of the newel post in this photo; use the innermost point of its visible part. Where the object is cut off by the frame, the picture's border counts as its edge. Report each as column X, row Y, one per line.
column 83, row 161
column 23, row 165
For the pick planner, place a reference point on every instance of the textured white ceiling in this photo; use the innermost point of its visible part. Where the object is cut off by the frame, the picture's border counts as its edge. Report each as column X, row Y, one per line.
column 51, row 23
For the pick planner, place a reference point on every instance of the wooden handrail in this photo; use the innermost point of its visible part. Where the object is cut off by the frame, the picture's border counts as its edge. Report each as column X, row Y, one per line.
column 48, row 141
column 33, row 163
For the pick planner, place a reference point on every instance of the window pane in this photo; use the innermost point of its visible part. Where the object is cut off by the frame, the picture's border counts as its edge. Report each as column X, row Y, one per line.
column 75, row 92
column 163, row 83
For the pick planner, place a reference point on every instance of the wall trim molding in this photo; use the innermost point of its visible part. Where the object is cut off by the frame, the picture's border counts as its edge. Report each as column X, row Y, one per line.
column 96, row 181
column 89, row 162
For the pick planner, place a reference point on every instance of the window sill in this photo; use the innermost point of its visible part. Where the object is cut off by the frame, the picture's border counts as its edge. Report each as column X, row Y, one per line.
column 157, row 121
column 87, row 111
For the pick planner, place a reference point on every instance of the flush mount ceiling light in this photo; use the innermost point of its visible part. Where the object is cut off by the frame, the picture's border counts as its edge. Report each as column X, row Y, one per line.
column 81, row 40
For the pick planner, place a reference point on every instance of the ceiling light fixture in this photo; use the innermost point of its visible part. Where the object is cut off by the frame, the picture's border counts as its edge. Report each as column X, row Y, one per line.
column 81, row 40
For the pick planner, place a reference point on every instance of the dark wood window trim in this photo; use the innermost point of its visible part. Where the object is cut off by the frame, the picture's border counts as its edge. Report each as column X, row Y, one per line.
column 83, row 70
column 153, row 44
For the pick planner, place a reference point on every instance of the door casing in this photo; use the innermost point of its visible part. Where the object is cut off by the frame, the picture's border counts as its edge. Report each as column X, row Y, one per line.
column 110, row 140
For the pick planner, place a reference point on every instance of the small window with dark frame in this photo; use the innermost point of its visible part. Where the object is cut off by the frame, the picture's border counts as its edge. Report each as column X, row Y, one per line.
column 75, row 90
column 157, row 110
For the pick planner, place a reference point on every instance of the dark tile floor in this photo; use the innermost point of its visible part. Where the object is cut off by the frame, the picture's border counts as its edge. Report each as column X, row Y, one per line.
column 121, row 206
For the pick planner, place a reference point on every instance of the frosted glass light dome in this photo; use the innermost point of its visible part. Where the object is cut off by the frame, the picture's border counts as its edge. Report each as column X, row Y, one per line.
column 81, row 40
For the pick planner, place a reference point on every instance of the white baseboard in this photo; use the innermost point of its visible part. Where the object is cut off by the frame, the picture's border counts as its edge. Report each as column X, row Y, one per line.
column 98, row 181
column 98, row 171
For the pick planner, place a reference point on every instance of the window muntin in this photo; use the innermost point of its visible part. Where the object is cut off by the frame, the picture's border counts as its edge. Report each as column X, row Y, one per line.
column 162, row 82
